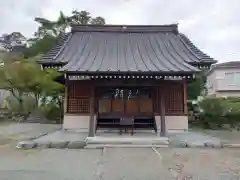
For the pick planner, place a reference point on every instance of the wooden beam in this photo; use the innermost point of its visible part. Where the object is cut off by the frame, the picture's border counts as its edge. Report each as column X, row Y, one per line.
column 162, row 114
column 91, row 121
column 125, row 83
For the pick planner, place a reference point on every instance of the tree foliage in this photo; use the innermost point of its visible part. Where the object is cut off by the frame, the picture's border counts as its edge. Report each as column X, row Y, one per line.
column 39, row 46
column 219, row 112
column 19, row 72
column 14, row 41
column 49, row 31
column 197, row 87
column 24, row 76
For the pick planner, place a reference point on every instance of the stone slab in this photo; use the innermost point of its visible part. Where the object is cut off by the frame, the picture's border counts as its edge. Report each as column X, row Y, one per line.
column 231, row 145
column 76, row 145
column 43, row 144
column 212, row 144
column 193, row 140
column 101, row 146
column 128, row 140
column 59, row 144
column 26, row 144
column 196, row 144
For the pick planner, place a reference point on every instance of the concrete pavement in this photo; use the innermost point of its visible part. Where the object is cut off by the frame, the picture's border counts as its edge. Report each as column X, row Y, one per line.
column 120, row 164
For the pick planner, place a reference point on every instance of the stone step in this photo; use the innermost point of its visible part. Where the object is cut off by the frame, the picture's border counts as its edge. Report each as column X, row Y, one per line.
column 128, row 140
column 100, row 146
column 136, row 131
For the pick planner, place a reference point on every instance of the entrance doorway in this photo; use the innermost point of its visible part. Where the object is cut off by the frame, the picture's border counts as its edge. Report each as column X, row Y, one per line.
column 129, row 103
column 125, row 102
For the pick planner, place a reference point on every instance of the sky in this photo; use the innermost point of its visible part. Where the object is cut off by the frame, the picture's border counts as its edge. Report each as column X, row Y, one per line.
column 212, row 25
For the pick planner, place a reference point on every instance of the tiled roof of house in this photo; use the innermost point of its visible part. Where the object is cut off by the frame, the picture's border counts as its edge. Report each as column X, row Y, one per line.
column 227, row 64
column 230, row 64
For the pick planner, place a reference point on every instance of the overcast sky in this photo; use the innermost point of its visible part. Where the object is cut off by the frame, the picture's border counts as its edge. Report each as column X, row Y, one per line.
column 213, row 25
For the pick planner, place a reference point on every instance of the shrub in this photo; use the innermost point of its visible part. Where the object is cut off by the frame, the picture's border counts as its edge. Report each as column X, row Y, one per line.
column 216, row 112
column 13, row 106
column 51, row 111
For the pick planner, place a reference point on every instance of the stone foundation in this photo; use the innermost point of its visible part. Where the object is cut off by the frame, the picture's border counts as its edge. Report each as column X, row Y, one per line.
column 173, row 123
column 76, row 122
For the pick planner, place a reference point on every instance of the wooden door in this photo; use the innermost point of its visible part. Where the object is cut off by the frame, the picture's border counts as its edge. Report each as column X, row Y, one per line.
column 138, row 103
column 131, row 107
column 118, row 106
column 146, row 106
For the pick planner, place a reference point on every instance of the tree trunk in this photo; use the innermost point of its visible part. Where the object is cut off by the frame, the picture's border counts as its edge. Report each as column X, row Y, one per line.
column 20, row 101
column 37, row 97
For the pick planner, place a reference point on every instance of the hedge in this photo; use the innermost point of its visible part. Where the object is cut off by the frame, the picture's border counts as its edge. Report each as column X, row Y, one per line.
column 215, row 112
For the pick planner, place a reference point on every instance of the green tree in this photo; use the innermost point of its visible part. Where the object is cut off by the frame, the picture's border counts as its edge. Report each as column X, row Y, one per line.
column 24, row 76
column 196, row 87
column 98, row 20
column 14, row 41
column 39, row 46
column 13, row 77
column 52, row 28
column 49, row 31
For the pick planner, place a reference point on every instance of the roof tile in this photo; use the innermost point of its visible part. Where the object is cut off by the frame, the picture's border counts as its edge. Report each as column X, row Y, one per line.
column 126, row 49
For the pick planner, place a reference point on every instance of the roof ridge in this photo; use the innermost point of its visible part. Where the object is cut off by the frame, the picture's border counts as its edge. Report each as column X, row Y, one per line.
column 124, row 28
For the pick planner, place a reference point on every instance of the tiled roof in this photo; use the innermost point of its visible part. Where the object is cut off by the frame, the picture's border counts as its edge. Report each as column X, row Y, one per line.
column 51, row 56
column 228, row 64
column 110, row 48
column 195, row 51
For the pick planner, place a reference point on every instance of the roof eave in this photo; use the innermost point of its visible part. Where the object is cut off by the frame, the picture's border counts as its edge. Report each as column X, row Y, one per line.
column 51, row 63
column 173, row 73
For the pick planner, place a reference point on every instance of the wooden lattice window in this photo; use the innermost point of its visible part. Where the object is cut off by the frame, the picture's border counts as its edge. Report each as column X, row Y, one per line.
column 78, row 106
column 174, row 99
column 78, row 98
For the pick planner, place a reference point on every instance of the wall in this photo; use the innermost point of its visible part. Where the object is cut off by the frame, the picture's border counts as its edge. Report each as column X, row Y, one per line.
column 174, row 94
column 219, row 85
column 211, row 83
column 228, row 94
column 173, row 123
column 79, row 93
column 77, row 122
column 78, row 105
column 222, row 82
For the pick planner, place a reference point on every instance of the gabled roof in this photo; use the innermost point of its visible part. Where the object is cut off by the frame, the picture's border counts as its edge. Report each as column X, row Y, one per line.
column 115, row 48
column 230, row 64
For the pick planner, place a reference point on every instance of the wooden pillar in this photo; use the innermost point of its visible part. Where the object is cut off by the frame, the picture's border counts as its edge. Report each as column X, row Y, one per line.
column 91, row 132
column 162, row 114
column 185, row 110
column 65, row 98
column 64, row 107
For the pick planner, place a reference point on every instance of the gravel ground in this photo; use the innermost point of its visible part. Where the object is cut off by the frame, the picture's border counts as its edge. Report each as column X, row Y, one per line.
column 225, row 136
column 17, row 132
column 120, row 164
column 64, row 136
